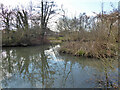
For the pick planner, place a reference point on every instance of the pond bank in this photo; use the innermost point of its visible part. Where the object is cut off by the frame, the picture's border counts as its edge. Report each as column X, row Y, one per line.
column 89, row 49
column 37, row 67
column 36, row 42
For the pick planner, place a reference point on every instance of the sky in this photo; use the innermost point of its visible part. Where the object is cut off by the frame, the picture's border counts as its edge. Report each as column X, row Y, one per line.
column 74, row 7
column 71, row 7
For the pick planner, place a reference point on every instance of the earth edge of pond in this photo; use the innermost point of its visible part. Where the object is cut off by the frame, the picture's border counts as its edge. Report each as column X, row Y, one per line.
column 69, row 48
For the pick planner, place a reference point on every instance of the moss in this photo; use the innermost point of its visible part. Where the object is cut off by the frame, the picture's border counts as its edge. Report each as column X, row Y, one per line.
column 80, row 53
column 55, row 41
column 52, row 38
column 60, row 38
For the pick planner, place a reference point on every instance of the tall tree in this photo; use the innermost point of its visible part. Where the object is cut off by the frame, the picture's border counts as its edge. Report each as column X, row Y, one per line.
column 22, row 19
column 6, row 17
column 47, row 12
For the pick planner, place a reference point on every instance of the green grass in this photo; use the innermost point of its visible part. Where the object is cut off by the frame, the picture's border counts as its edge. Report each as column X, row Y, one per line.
column 80, row 53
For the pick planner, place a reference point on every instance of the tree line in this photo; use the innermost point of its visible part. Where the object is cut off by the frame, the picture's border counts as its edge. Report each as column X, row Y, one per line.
column 17, row 19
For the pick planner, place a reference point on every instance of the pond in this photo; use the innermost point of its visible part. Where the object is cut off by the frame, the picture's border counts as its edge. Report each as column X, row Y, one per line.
column 44, row 67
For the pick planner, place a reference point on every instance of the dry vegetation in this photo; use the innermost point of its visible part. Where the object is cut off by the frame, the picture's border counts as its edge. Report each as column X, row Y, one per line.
column 81, row 36
column 23, row 38
column 90, row 36
column 20, row 27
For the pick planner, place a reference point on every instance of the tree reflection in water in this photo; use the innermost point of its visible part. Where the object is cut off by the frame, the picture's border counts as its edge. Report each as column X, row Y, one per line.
column 43, row 66
column 28, row 64
column 108, row 80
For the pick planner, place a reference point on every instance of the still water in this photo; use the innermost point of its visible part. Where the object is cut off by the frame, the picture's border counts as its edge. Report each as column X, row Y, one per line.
column 44, row 67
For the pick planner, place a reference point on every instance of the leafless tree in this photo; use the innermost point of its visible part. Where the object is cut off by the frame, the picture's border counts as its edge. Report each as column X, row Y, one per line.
column 47, row 12
column 22, row 19
column 6, row 17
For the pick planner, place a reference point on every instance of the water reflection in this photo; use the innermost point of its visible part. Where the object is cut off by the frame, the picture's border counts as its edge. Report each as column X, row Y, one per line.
column 43, row 66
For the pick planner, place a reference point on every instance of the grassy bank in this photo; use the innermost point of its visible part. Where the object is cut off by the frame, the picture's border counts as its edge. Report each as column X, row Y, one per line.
column 100, row 40
column 55, row 40
column 89, row 49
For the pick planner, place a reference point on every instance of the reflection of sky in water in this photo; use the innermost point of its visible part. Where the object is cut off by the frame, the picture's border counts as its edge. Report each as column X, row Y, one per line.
column 4, row 54
column 17, row 81
column 52, row 52
column 56, row 71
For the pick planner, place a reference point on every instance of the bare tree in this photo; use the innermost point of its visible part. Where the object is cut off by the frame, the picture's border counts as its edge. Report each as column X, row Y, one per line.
column 6, row 17
column 22, row 19
column 47, row 12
